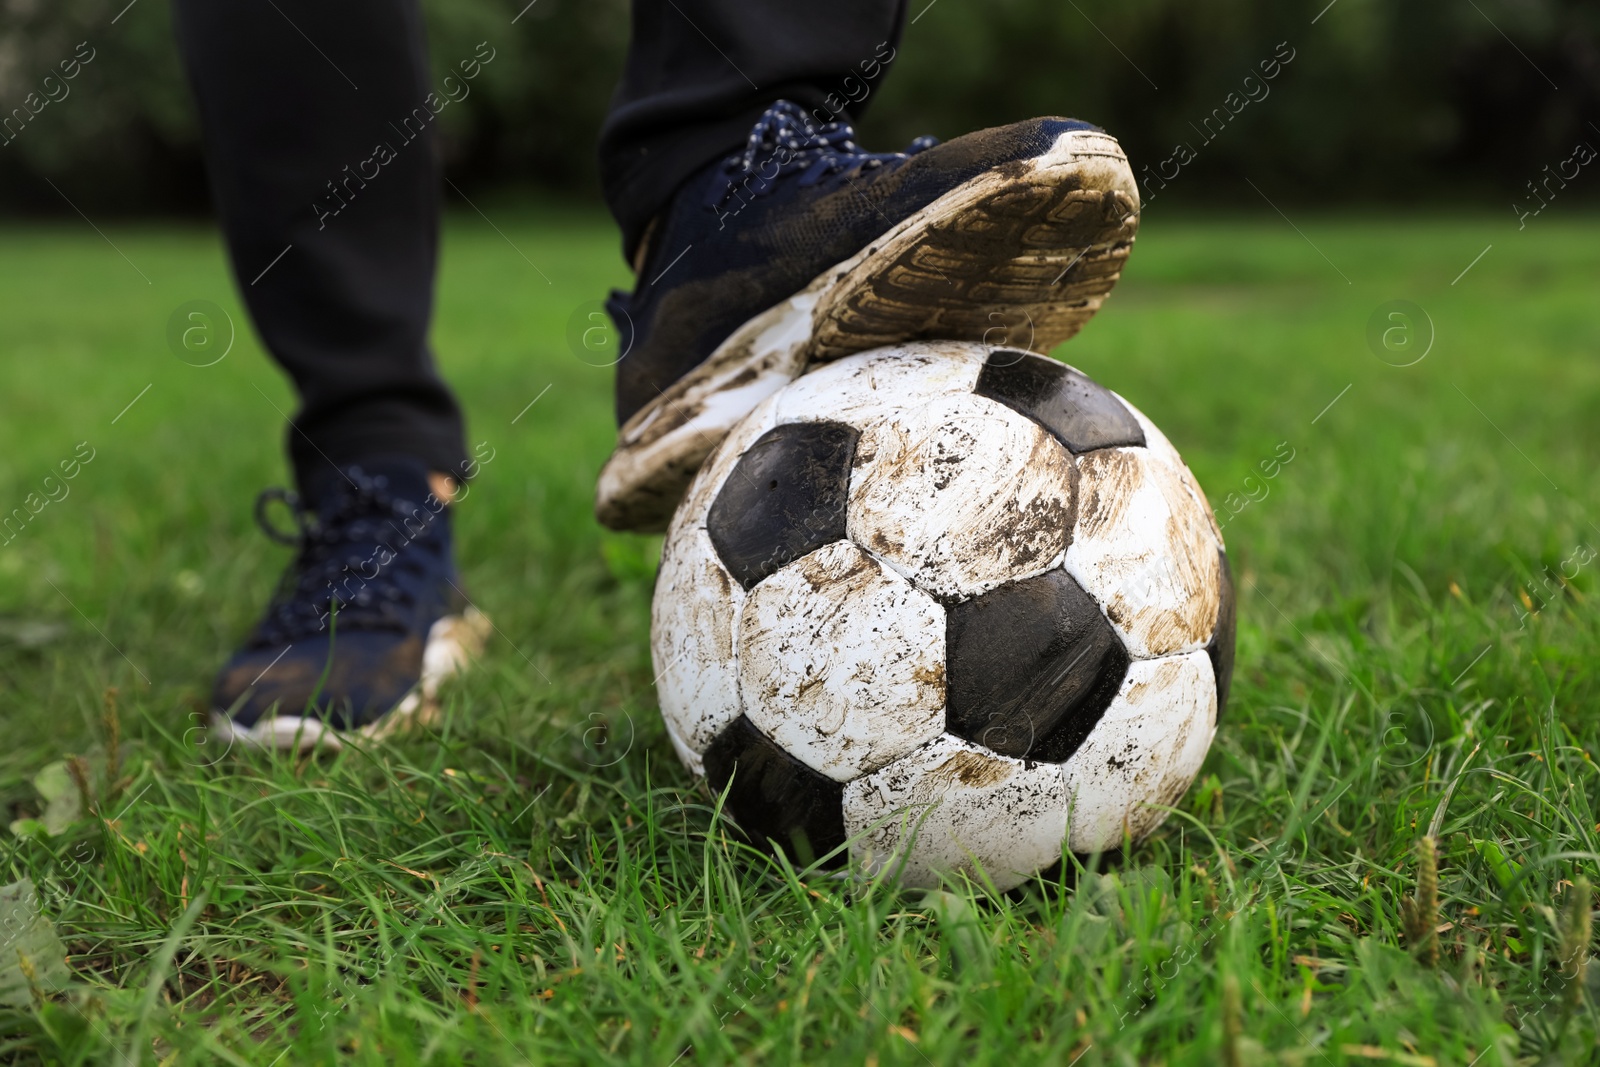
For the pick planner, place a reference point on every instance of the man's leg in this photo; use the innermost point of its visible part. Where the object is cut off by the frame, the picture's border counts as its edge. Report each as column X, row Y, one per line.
column 321, row 155
column 700, row 72
column 319, row 141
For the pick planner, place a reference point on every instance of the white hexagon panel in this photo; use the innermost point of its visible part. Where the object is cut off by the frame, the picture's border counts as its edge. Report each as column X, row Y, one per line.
column 1143, row 548
column 961, row 494
column 1142, row 756
column 1162, row 449
column 692, row 622
column 841, row 662
column 952, row 806
column 870, row 385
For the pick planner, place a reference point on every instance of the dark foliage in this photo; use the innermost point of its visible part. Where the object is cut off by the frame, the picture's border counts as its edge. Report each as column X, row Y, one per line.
column 1412, row 101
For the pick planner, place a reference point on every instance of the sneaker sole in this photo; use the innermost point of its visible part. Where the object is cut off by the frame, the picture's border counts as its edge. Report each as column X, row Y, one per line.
column 1022, row 255
column 454, row 641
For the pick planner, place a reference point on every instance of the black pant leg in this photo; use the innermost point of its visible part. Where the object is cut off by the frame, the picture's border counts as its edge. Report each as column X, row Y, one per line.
column 700, row 72
column 320, row 145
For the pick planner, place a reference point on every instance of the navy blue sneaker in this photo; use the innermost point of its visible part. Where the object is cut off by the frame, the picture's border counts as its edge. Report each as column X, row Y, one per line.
column 803, row 247
column 366, row 622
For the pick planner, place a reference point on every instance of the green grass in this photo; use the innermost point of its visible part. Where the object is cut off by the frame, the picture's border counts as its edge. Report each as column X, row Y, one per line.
column 541, row 882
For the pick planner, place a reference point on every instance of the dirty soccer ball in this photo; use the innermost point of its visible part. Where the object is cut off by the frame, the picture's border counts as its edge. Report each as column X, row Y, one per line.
column 954, row 605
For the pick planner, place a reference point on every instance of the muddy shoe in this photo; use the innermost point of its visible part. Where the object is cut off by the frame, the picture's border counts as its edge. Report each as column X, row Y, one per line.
column 366, row 623
column 804, row 247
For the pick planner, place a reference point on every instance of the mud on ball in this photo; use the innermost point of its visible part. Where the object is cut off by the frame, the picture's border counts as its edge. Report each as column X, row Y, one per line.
column 943, row 607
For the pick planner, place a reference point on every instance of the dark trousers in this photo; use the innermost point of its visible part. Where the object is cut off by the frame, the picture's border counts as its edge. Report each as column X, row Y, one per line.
column 320, row 143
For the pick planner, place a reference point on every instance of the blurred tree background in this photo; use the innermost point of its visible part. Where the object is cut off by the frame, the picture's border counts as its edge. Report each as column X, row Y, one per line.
column 1389, row 102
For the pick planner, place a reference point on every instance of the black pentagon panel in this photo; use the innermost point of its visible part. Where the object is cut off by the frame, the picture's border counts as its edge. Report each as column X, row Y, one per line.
column 1031, row 667
column 784, row 498
column 1078, row 412
column 776, row 800
column 1220, row 648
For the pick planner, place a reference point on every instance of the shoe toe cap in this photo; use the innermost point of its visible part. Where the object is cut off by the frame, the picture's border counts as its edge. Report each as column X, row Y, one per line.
column 369, row 673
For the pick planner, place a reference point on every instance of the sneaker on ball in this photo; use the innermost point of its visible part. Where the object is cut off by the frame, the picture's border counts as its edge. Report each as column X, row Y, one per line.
column 803, row 247
column 366, row 623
